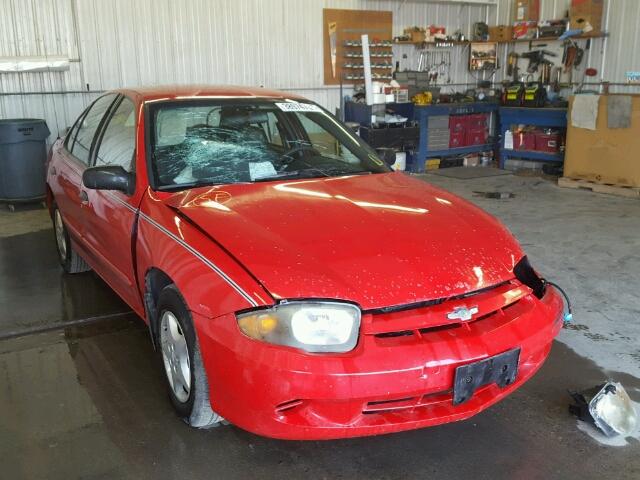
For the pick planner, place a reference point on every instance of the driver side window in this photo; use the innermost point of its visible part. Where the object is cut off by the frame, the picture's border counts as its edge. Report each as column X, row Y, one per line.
column 80, row 148
column 119, row 139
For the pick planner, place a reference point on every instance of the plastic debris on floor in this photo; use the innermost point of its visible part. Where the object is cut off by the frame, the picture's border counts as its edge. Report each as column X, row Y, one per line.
column 607, row 407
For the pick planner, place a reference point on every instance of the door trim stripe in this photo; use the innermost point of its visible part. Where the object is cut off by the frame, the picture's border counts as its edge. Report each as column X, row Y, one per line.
column 190, row 249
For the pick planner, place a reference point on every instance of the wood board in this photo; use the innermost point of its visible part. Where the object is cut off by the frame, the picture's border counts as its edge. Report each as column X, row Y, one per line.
column 605, row 155
column 629, row 192
column 350, row 25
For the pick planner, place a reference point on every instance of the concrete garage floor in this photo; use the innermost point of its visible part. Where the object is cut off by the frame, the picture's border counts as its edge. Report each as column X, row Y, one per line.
column 88, row 400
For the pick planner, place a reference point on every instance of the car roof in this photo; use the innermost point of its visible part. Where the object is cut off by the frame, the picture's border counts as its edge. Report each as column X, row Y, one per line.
column 176, row 92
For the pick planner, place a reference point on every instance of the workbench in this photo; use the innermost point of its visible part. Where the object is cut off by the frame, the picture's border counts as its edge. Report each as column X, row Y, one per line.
column 360, row 113
column 422, row 113
column 540, row 117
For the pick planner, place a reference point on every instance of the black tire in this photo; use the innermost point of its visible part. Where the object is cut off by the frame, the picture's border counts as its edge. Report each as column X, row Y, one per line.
column 69, row 259
column 195, row 410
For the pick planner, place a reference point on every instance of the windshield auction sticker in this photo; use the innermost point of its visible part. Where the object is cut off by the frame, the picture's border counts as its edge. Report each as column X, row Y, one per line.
column 298, row 107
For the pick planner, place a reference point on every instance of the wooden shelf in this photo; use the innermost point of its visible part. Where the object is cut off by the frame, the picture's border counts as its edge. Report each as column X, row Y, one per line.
column 432, row 43
column 515, row 40
column 551, row 39
column 359, row 47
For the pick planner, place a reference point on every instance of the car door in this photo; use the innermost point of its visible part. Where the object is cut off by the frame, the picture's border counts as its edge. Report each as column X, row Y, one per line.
column 109, row 216
column 73, row 159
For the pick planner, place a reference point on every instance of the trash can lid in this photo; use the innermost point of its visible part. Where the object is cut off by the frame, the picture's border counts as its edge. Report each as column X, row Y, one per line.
column 17, row 130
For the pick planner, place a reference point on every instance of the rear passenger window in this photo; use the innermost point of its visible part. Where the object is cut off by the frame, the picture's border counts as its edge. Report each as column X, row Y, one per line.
column 119, row 140
column 82, row 144
column 68, row 141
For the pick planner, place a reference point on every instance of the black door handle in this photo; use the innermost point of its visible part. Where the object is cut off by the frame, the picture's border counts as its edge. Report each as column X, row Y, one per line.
column 84, row 198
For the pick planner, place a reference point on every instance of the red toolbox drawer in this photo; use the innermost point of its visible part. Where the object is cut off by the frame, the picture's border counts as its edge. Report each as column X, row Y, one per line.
column 476, row 136
column 457, row 139
column 547, row 142
column 478, row 120
column 524, row 141
column 458, row 123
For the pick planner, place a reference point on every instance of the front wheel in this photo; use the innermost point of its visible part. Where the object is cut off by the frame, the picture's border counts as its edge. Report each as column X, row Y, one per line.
column 182, row 361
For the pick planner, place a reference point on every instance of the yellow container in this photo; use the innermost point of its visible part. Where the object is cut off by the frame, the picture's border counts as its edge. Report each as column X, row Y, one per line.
column 432, row 164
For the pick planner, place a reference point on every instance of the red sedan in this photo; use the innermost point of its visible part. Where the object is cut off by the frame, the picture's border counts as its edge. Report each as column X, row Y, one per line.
column 293, row 284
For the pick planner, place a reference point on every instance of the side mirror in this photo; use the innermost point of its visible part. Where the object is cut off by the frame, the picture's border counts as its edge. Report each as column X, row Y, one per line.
column 111, row 177
column 388, row 155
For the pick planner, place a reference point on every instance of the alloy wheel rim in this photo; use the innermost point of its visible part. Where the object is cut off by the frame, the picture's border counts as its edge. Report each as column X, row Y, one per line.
column 175, row 356
column 60, row 238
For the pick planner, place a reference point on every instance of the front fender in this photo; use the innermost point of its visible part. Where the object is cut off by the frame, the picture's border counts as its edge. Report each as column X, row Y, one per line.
column 212, row 282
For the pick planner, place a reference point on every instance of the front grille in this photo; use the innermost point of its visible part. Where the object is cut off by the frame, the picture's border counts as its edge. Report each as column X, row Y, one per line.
column 419, row 332
column 439, row 328
column 497, row 304
column 402, row 333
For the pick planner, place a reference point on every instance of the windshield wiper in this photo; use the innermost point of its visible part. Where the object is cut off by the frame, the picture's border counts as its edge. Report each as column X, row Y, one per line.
column 188, row 185
column 339, row 170
column 281, row 175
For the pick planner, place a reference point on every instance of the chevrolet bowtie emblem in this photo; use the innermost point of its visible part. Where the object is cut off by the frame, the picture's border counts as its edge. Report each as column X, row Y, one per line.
column 462, row 313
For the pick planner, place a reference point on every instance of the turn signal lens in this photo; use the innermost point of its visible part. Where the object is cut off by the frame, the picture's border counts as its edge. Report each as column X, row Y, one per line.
column 257, row 326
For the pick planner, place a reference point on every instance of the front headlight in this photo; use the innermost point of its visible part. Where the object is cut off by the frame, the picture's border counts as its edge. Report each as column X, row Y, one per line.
column 310, row 326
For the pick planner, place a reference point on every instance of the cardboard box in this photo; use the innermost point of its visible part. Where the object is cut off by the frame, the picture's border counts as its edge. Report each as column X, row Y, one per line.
column 526, row 10
column 471, row 161
column 416, row 34
column 586, row 14
column 501, row 33
column 525, row 30
column 605, row 155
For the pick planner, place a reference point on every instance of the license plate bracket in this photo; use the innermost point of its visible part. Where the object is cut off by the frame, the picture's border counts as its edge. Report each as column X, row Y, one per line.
column 500, row 369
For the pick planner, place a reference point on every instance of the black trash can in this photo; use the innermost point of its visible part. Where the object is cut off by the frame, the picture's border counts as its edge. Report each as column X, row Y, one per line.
column 23, row 153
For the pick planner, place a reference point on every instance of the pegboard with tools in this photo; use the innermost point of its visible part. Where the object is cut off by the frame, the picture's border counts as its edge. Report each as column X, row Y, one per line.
column 549, row 61
column 437, row 62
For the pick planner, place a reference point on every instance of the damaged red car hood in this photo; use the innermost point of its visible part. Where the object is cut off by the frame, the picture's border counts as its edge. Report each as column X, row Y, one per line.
column 379, row 240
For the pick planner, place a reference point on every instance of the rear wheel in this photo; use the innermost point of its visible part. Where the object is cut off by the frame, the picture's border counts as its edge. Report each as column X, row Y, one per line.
column 182, row 361
column 71, row 262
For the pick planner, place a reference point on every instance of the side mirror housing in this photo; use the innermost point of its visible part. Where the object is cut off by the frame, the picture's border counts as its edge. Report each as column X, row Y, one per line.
column 110, row 177
column 388, row 155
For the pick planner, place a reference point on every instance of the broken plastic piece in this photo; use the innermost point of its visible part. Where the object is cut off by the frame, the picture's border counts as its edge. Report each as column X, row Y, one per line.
column 606, row 406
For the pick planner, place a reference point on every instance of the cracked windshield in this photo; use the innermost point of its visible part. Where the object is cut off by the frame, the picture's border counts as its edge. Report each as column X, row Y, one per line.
column 198, row 143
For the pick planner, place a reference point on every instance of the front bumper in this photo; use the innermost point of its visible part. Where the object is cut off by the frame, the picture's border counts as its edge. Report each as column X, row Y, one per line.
column 387, row 384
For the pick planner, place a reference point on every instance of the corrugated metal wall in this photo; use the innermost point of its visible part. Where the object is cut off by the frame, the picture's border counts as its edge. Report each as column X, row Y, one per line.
column 114, row 43
column 275, row 43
